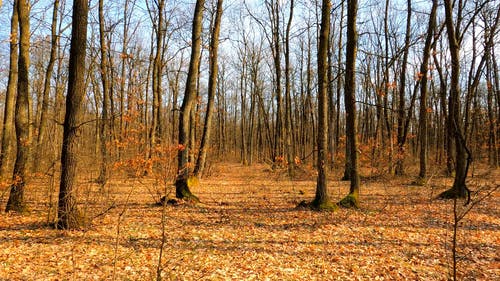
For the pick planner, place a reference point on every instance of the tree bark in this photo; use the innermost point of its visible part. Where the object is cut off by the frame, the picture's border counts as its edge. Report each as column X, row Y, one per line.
column 352, row 199
column 69, row 217
column 182, row 184
column 288, row 100
column 8, row 130
column 212, row 87
column 321, row 200
column 401, row 139
column 46, row 85
column 16, row 197
column 423, row 91
column 104, row 124
column 459, row 188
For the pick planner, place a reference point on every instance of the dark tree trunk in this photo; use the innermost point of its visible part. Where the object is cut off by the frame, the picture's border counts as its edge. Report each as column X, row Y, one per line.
column 401, row 139
column 423, row 91
column 459, row 188
column 8, row 130
column 352, row 199
column 321, row 200
column 69, row 217
column 16, row 197
column 103, row 130
column 182, row 184
column 288, row 100
column 212, row 87
column 46, row 86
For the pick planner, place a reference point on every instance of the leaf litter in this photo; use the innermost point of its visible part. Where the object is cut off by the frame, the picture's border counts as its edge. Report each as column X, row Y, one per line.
column 248, row 228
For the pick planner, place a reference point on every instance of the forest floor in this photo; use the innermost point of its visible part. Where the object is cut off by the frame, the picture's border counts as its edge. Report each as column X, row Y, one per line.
column 248, row 228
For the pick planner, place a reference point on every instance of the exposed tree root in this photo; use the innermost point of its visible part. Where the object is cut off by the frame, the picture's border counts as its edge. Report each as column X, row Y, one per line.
column 183, row 192
column 455, row 193
column 327, row 206
column 350, row 201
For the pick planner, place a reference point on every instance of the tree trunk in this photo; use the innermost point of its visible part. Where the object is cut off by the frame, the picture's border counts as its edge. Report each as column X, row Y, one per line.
column 103, row 130
column 459, row 189
column 321, row 200
column 401, row 107
column 46, row 85
column 352, row 199
column 288, row 100
column 212, row 87
column 423, row 91
column 182, row 184
column 69, row 216
column 16, row 197
column 8, row 130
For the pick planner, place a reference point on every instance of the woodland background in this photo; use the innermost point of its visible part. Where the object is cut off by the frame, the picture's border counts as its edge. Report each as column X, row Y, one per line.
column 110, row 105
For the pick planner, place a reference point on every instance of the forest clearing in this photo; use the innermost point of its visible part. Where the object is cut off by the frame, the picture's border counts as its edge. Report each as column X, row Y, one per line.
column 249, row 140
column 248, row 228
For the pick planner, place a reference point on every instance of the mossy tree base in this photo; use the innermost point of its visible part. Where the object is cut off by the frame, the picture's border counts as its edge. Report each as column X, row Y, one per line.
column 327, row 206
column 183, row 192
column 350, row 201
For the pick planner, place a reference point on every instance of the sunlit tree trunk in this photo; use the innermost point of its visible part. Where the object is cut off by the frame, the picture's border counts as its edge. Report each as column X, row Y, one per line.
column 69, row 216
column 288, row 100
column 154, row 135
column 423, row 91
column 212, row 87
column 8, row 129
column 16, row 197
column 42, row 127
column 352, row 199
column 181, row 183
column 322, row 200
column 104, row 124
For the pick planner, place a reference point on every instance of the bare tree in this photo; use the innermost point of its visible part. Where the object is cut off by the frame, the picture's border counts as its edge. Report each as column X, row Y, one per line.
column 212, row 88
column 16, row 197
column 8, row 129
column 42, row 127
column 352, row 199
column 423, row 91
column 104, row 124
column 182, row 190
column 69, row 217
column 463, row 156
column 321, row 200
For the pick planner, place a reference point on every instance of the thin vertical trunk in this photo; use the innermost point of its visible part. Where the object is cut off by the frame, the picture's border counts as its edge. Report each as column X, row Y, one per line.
column 423, row 133
column 339, row 80
column 69, row 216
column 46, row 87
column 8, row 129
column 288, row 100
column 16, row 197
column 462, row 160
column 124, row 56
column 154, row 135
column 274, row 13
column 321, row 200
column 182, row 183
column 385, row 108
column 402, row 86
column 351, row 200
column 493, row 155
column 103, row 130
column 212, row 87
